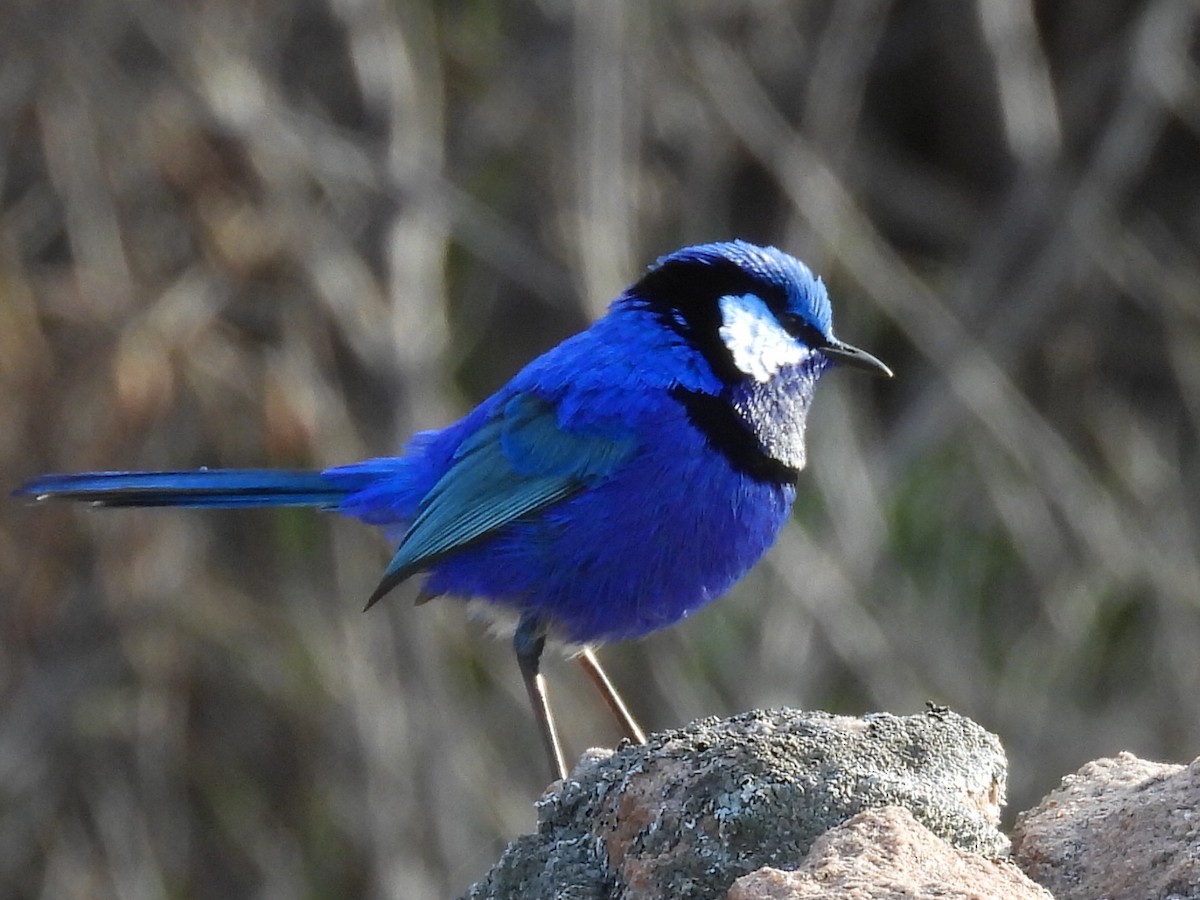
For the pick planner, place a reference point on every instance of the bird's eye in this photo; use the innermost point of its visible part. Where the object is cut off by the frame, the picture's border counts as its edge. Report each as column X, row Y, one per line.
column 803, row 330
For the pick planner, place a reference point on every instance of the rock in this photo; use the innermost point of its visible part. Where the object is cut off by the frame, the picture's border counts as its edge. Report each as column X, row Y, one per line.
column 887, row 853
column 1117, row 828
column 694, row 809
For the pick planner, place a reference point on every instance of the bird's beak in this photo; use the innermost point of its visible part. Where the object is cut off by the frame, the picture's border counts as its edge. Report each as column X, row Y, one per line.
column 852, row 356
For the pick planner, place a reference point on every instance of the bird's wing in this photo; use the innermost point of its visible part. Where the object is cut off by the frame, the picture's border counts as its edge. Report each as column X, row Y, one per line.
column 519, row 462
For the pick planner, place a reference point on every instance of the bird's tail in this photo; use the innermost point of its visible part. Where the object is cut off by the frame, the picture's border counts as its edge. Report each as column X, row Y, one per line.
column 202, row 488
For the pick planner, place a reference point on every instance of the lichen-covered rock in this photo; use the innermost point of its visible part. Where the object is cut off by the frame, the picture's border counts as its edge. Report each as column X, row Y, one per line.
column 694, row 809
column 1123, row 829
column 886, row 853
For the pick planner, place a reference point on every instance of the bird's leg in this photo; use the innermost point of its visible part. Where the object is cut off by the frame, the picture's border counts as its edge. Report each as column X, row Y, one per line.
column 600, row 679
column 529, row 641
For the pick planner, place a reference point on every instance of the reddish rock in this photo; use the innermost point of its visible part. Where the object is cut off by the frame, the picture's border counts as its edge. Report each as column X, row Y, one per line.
column 1118, row 828
column 887, row 853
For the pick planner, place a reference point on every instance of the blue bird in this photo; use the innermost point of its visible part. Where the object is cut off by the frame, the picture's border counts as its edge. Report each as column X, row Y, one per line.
column 614, row 486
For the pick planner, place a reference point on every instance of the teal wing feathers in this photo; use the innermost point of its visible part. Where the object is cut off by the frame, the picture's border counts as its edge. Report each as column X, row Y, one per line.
column 519, row 462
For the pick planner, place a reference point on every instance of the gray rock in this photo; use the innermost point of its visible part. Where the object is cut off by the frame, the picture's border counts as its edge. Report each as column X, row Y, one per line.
column 694, row 809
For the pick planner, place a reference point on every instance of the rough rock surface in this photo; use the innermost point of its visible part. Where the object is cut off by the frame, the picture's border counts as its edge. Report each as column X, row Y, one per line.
column 1118, row 828
column 694, row 809
column 887, row 853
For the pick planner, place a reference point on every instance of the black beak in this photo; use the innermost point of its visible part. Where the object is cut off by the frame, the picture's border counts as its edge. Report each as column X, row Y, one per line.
column 852, row 356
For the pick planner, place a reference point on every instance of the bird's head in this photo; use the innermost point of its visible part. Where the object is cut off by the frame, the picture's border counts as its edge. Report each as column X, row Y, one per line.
column 751, row 311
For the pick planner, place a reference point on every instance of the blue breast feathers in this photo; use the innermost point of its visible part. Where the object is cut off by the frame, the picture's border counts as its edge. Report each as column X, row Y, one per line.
column 670, row 528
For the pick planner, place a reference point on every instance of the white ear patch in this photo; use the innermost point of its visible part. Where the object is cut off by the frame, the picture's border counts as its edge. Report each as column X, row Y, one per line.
column 758, row 343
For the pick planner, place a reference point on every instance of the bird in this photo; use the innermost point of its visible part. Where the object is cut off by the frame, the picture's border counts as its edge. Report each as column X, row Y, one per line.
column 614, row 486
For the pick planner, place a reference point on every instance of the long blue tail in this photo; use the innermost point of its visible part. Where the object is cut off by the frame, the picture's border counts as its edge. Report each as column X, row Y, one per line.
column 202, row 488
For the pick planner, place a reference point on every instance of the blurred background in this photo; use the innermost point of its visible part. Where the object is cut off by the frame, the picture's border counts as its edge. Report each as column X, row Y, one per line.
column 291, row 233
